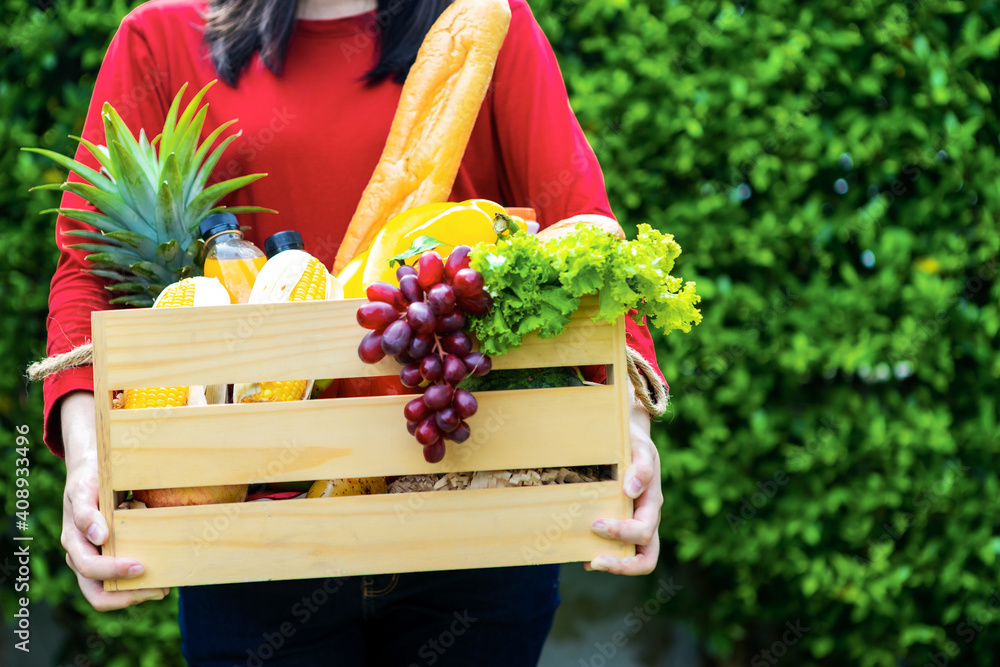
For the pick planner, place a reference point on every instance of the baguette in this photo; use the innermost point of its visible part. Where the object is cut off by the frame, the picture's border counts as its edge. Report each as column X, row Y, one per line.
column 437, row 109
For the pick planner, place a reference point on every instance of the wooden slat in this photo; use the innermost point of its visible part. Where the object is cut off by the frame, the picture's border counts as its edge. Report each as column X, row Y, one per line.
column 106, row 494
column 357, row 437
column 325, row 537
column 619, row 380
column 248, row 343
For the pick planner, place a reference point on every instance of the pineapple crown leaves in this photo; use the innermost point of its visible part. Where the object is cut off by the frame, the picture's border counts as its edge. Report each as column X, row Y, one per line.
column 151, row 196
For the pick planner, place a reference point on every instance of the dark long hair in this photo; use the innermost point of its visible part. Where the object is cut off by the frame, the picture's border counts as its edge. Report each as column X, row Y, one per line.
column 236, row 29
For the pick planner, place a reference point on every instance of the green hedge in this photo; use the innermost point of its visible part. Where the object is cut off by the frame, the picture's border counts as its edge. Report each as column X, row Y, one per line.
column 830, row 169
column 51, row 55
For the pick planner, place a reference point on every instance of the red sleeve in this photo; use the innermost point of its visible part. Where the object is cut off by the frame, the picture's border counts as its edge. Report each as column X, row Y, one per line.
column 134, row 85
column 548, row 162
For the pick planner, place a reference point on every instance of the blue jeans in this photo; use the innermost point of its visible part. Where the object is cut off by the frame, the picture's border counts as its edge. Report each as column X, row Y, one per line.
column 497, row 616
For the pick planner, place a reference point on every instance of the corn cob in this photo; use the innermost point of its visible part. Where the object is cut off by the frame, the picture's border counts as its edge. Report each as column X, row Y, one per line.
column 292, row 275
column 188, row 292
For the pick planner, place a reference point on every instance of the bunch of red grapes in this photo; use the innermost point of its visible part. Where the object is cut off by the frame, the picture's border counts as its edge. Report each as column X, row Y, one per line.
column 420, row 324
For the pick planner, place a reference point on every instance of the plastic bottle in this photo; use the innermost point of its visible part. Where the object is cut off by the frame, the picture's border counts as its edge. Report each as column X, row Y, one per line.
column 281, row 241
column 228, row 257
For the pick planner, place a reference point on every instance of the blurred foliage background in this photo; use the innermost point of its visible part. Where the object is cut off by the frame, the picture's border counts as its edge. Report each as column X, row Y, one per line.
column 830, row 168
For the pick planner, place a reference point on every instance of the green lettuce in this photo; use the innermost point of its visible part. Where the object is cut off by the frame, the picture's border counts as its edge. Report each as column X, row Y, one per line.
column 536, row 287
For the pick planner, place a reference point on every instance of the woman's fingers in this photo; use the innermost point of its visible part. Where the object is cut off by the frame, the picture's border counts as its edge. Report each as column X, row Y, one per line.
column 102, row 600
column 642, row 483
column 644, row 561
column 645, row 466
column 645, row 463
column 92, row 569
column 81, row 502
column 641, row 529
column 85, row 561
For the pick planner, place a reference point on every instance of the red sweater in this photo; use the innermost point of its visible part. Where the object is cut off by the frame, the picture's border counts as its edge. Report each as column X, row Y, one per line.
column 318, row 132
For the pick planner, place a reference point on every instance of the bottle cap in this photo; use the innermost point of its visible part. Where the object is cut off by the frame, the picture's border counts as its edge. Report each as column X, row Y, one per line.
column 280, row 241
column 216, row 224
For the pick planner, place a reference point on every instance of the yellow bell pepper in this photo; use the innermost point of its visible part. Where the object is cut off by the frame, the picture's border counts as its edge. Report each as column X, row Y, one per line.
column 469, row 222
column 351, row 276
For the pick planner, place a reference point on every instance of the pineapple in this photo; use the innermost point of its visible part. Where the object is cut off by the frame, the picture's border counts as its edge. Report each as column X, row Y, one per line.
column 151, row 196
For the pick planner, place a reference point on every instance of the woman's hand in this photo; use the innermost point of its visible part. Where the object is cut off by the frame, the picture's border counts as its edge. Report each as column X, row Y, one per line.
column 84, row 528
column 642, row 483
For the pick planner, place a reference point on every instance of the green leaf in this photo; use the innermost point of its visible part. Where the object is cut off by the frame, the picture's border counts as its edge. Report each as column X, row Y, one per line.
column 148, row 158
column 136, row 300
column 151, row 271
column 83, row 171
column 167, row 253
column 100, row 155
column 199, row 207
column 172, row 180
column 130, row 286
column 199, row 156
column 116, row 257
column 188, row 142
column 172, row 143
column 135, row 190
column 239, row 209
column 170, row 123
column 420, row 245
column 144, row 245
column 197, row 187
column 110, row 206
column 99, row 237
column 109, row 275
column 92, row 218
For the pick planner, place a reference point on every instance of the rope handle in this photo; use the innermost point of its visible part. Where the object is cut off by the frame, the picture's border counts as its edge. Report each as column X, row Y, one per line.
column 648, row 388
column 81, row 356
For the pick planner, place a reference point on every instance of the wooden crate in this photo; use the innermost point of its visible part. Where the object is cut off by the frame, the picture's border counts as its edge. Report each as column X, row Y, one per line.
column 343, row 437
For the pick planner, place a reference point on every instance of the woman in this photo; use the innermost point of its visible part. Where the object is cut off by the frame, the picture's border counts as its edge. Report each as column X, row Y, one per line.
column 315, row 86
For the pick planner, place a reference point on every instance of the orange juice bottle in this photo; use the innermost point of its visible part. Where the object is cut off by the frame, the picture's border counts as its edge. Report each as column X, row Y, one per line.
column 281, row 241
column 228, row 257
